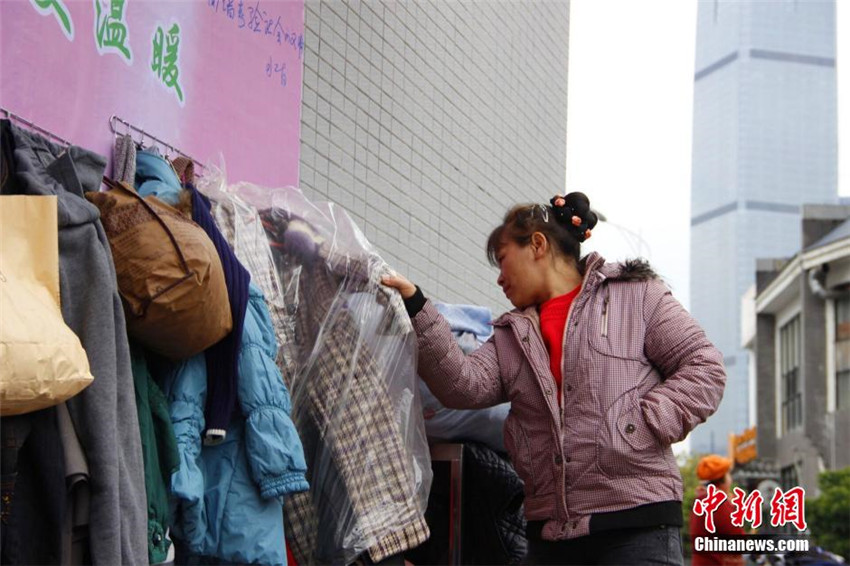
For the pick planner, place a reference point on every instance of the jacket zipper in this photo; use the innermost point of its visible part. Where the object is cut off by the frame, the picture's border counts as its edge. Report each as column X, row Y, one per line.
column 564, row 511
column 562, row 514
column 605, row 317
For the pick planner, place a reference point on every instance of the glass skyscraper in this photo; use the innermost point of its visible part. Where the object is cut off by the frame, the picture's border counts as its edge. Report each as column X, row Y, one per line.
column 764, row 143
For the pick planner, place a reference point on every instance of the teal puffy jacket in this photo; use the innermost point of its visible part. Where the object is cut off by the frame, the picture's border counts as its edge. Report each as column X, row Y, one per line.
column 227, row 498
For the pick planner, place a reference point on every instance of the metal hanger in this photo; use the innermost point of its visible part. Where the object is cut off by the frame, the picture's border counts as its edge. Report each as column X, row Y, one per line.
column 35, row 127
column 156, row 144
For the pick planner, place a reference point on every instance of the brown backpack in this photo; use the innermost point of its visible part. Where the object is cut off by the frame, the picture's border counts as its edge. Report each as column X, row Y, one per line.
column 169, row 274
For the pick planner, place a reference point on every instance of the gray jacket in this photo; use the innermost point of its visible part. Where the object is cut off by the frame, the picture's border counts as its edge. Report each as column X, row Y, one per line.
column 104, row 414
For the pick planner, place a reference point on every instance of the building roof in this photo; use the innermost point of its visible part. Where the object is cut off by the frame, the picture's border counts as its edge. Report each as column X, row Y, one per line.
column 838, row 233
column 835, row 245
column 760, row 468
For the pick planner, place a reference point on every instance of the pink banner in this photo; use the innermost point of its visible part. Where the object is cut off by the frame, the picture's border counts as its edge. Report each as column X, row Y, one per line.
column 210, row 77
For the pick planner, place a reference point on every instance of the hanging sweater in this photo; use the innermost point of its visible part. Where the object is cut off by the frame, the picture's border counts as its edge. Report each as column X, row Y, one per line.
column 222, row 358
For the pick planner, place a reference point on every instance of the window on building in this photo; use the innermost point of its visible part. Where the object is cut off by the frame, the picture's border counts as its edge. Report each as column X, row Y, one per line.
column 788, row 477
column 842, row 353
column 789, row 371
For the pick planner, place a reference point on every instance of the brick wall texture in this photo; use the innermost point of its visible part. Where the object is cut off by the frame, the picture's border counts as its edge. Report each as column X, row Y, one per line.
column 427, row 120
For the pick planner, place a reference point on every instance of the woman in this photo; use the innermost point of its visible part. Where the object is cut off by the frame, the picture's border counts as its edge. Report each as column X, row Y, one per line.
column 604, row 370
column 714, row 470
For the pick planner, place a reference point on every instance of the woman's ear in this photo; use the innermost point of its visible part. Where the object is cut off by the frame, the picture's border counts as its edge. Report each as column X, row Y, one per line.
column 539, row 244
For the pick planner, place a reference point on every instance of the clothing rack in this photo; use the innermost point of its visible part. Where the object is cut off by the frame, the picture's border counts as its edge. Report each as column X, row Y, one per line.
column 128, row 129
column 32, row 125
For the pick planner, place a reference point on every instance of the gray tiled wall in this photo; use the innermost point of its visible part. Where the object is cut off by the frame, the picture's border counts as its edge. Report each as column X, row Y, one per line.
column 427, row 120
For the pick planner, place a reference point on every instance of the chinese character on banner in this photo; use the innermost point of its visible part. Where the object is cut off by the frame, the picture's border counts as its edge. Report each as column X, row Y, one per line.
column 788, row 507
column 59, row 11
column 164, row 60
column 279, row 31
column 241, row 14
column 110, row 28
column 747, row 508
column 709, row 505
column 255, row 23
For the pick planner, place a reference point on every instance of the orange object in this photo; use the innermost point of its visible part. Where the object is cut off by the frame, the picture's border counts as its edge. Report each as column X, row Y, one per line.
column 713, row 467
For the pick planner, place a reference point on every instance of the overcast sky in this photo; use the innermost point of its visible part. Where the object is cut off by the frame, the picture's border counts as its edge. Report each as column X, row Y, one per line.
column 630, row 119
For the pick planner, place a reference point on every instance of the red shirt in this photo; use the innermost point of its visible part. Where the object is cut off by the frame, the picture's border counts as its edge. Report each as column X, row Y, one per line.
column 553, row 319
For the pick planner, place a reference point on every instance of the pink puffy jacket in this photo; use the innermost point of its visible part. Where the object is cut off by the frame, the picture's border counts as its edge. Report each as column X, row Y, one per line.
column 638, row 375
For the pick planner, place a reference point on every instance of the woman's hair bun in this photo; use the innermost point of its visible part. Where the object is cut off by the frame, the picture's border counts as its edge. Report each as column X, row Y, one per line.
column 575, row 204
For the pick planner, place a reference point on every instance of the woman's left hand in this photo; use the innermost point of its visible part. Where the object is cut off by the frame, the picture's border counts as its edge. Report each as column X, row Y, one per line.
column 404, row 286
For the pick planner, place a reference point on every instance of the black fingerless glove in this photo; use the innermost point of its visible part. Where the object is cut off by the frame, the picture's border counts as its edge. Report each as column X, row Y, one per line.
column 415, row 303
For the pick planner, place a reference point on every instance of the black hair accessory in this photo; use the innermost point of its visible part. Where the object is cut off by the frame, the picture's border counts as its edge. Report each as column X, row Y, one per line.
column 573, row 212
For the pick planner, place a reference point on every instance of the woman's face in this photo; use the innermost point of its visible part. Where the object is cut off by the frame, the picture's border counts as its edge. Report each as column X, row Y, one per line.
column 518, row 274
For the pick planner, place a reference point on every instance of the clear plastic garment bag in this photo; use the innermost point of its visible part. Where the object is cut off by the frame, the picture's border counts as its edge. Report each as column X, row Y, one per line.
column 348, row 354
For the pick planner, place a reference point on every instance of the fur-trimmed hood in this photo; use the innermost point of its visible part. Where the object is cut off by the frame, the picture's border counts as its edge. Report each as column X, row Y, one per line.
column 637, row 269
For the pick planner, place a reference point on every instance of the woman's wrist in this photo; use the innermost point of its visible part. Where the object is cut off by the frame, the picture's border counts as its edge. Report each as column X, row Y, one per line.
column 415, row 302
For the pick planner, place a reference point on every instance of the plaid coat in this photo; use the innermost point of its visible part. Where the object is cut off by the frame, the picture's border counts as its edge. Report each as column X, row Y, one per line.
column 365, row 496
column 242, row 227
column 638, row 375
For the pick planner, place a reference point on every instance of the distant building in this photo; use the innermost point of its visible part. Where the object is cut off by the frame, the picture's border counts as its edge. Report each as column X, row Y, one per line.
column 799, row 338
column 764, row 143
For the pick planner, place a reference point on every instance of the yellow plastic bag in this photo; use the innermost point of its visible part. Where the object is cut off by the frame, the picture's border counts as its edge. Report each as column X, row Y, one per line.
column 42, row 362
